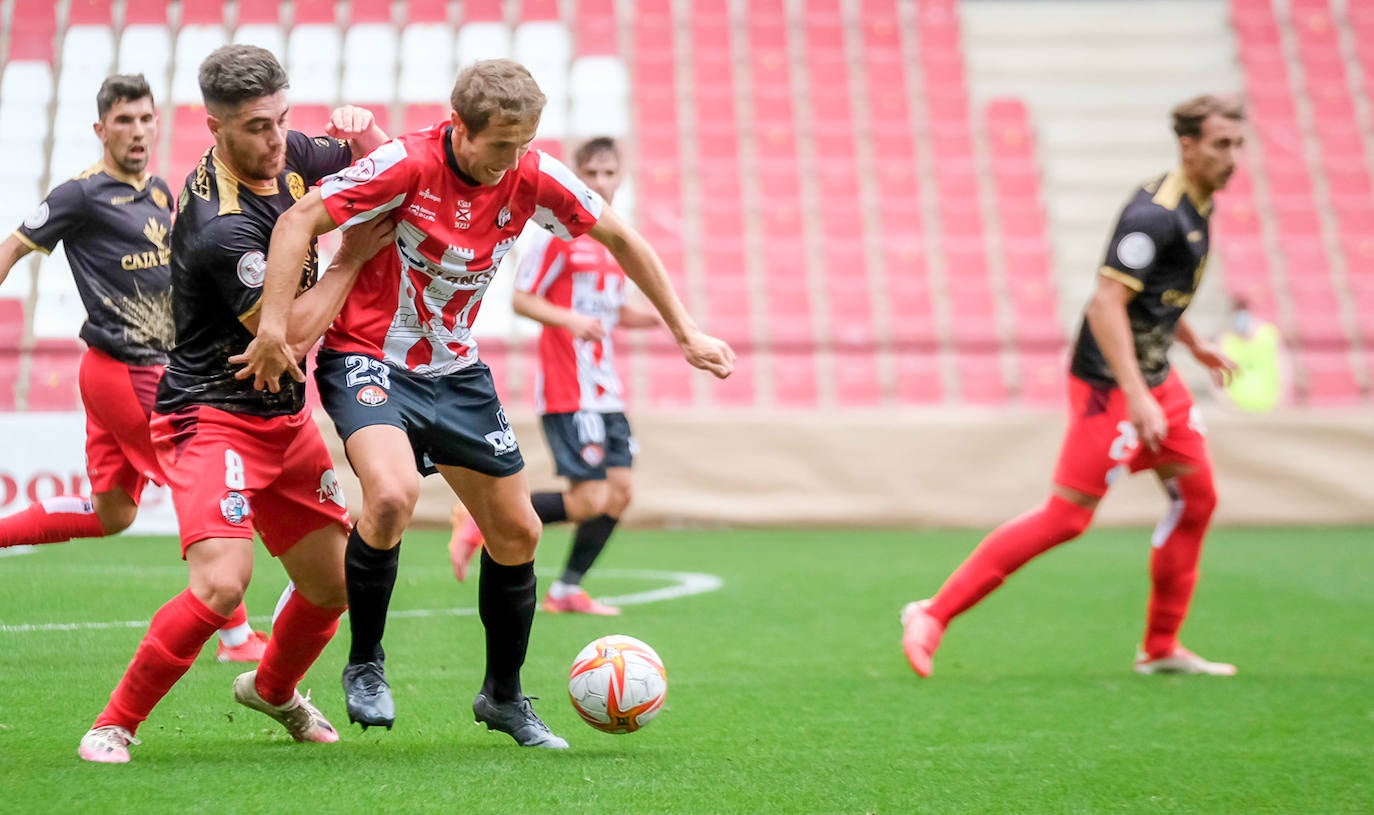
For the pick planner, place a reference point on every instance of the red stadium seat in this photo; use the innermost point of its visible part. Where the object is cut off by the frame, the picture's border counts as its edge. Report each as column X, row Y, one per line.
column 12, row 320
column 32, row 31
column 1042, row 377
column 89, row 12
column 53, row 372
column 418, row 117
column 202, row 12
column 316, row 12
column 918, row 380
column 794, row 379
column 309, row 119
column 369, row 11
column 9, row 376
column 980, row 377
column 595, row 29
column 1328, row 378
column 424, row 11
column 856, row 379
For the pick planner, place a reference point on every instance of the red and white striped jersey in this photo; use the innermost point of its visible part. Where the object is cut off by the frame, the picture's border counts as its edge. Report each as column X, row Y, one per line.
column 581, row 274
column 414, row 306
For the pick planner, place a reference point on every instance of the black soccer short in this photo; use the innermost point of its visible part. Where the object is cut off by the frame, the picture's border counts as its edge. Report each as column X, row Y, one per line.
column 585, row 444
column 455, row 420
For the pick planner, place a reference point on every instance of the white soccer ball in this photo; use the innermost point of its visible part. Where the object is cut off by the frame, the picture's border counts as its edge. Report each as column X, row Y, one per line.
column 617, row 684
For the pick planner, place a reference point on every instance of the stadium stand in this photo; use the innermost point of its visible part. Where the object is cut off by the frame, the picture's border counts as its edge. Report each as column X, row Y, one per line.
column 878, row 202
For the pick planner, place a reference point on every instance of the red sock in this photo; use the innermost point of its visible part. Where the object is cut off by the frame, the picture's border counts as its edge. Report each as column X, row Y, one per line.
column 173, row 641
column 52, row 520
column 1173, row 564
column 301, row 632
column 1008, row 548
column 237, row 617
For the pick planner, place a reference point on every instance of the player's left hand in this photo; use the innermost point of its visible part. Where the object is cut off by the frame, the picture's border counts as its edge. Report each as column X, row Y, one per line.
column 709, row 354
column 265, row 360
column 349, row 122
column 1221, row 367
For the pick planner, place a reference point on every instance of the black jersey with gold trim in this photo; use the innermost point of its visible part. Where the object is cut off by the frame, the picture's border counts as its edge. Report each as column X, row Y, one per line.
column 1159, row 251
column 219, row 260
column 115, row 232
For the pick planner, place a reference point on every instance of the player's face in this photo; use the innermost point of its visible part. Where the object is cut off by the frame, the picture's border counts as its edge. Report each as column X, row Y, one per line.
column 128, row 131
column 487, row 155
column 251, row 138
column 601, row 172
column 1211, row 158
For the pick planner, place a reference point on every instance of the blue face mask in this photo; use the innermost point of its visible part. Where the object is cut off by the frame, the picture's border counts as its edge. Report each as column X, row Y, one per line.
column 1242, row 322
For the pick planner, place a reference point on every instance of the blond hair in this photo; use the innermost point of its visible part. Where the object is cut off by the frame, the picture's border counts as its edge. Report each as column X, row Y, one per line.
column 496, row 90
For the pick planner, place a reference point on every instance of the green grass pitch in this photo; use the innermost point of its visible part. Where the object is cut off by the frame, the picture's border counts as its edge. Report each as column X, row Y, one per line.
column 788, row 692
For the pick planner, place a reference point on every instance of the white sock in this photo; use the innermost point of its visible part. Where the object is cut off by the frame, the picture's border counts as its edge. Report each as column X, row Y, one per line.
column 559, row 589
column 236, row 636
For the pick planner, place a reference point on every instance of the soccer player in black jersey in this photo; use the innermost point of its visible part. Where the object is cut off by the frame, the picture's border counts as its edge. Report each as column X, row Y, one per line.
column 114, row 222
column 241, row 460
column 1128, row 410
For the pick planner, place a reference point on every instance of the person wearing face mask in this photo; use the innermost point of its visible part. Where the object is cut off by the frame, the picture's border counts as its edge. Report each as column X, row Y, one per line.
column 1254, row 345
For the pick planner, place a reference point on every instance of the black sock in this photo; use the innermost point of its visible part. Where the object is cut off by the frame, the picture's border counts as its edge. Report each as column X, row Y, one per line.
column 370, row 575
column 549, row 507
column 588, row 542
column 505, row 602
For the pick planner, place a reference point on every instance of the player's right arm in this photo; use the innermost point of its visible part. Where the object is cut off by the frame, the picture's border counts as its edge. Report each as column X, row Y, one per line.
column 12, row 250
column 541, row 263
column 1131, row 258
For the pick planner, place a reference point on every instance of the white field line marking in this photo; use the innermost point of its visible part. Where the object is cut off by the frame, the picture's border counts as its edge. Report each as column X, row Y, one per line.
column 684, row 584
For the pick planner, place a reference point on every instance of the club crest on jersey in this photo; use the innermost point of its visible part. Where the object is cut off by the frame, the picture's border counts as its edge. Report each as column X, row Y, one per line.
column 295, row 185
column 361, row 170
column 462, row 216
column 160, row 199
column 594, row 454
column 372, row 396
column 330, row 490
column 234, row 507
column 252, row 269
column 503, row 218
column 38, row 217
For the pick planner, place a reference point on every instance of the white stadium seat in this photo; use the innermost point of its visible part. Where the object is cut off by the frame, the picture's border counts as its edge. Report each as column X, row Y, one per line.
column 427, row 69
column 483, row 41
column 370, row 70
column 147, row 50
column 313, row 56
column 542, row 44
column 263, row 35
column 194, row 44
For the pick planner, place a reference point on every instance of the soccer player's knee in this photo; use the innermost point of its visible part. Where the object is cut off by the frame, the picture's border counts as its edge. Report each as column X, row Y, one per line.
column 390, row 506
column 620, row 498
column 221, row 590
column 1199, row 493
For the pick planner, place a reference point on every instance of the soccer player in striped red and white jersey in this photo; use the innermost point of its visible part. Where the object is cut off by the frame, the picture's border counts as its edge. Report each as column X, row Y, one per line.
column 577, row 291
column 400, row 373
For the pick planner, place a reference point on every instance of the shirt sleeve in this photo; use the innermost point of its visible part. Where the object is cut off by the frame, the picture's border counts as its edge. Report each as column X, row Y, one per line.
column 563, row 204
column 230, row 256
column 60, row 214
column 1143, row 231
column 542, row 260
column 374, row 184
column 317, row 156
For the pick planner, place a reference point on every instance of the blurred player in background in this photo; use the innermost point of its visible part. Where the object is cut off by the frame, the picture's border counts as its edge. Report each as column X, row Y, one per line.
column 241, row 460
column 577, row 291
column 400, row 375
column 1255, row 345
column 114, row 221
column 1128, row 410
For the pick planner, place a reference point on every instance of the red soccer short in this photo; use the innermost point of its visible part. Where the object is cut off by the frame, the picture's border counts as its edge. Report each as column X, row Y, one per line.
column 119, row 399
column 232, row 473
column 1101, row 443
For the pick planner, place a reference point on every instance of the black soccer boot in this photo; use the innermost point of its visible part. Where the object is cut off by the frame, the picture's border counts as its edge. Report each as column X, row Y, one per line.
column 518, row 719
column 368, row 695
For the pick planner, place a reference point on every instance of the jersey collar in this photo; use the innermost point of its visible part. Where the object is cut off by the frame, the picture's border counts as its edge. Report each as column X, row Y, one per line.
column 452, row 161
column 1201, row 203
column 137, row 183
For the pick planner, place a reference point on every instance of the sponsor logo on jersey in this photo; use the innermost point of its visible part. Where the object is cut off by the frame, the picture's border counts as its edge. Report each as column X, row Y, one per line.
column 234, row 507
column 462, row 216
column 330, row 490
column 295, row 185
column 503, row 218
column 372, row 396
column 429, row 196
column 1136, row 250
column 252, row 269
column 156, row 234
column 361, row 171
column 38, row 217
column 200, row 185
column 121, row 200
column 594, row 454
column 420, row 212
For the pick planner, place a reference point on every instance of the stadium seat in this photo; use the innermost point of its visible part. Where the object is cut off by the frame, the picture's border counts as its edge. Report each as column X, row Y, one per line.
column 53, row 373
column 193, row 44
column 426, row 55
column 1042, row 377
column 794, row 378
column 855, row 380
column 12, row 319
column 483, row 40
column 1328, row 378
column 369, row 73
column 918, row 377
column 595, row 30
